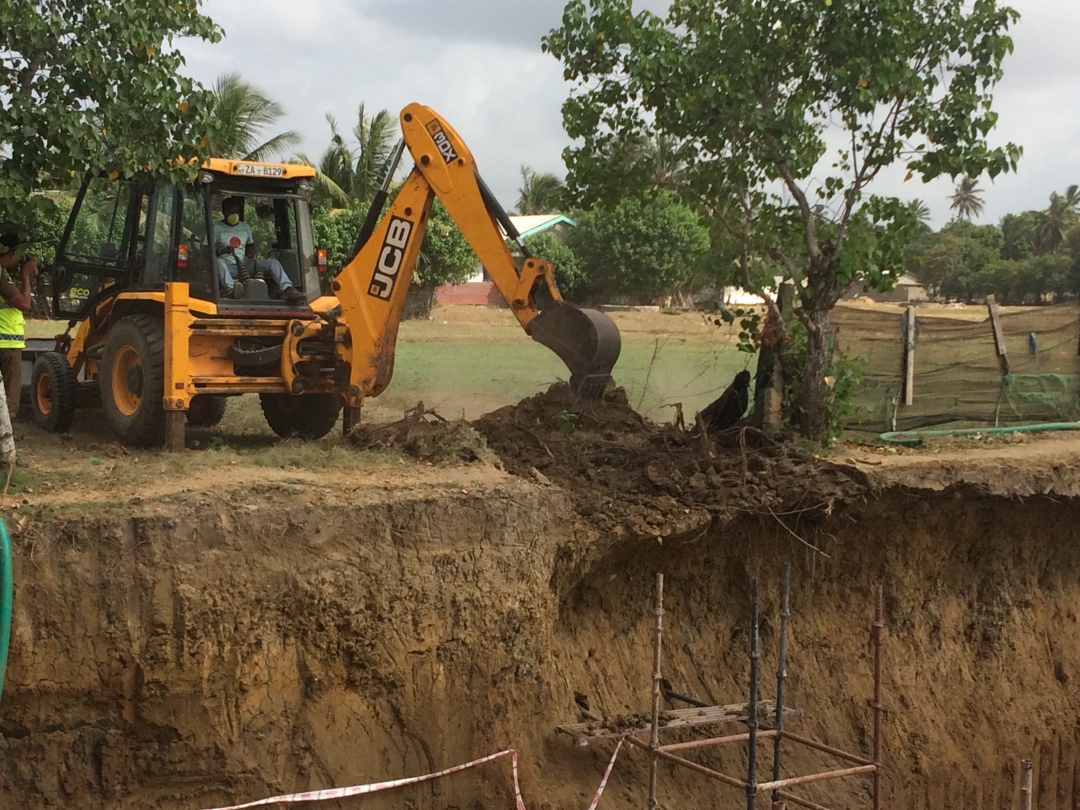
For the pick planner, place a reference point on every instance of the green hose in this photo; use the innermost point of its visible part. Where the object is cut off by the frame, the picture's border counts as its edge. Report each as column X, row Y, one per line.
column 5, row 600
column 912, row 438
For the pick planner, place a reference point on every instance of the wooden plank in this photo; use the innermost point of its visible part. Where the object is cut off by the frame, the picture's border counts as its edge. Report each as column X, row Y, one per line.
column 1066, row 760
column 1052, row 776
column 909, row 356
column 999, row 337
column 676, row 718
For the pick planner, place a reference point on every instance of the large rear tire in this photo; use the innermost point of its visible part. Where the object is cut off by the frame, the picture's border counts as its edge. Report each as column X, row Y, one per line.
column 306, row 416
column 206, row 410
column 132, row 380
column 52, row 393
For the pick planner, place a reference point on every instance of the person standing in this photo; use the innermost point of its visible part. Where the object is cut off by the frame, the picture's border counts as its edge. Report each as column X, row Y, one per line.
column 17, row 270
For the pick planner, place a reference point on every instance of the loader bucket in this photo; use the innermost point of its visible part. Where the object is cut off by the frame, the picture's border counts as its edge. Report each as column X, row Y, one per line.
column 586, row 340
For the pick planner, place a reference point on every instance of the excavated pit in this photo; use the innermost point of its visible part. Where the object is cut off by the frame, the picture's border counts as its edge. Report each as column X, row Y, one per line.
column 198, row 649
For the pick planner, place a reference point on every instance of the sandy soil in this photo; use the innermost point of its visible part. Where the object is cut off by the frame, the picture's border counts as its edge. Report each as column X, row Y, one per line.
column 191, row 632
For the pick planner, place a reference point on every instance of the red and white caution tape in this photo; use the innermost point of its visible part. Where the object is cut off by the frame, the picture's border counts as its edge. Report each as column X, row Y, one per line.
column 360, row 790
column 607, row 773
column 519, row 804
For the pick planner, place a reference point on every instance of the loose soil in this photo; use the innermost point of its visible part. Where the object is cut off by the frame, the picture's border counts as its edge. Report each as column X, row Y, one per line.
column 233, row 631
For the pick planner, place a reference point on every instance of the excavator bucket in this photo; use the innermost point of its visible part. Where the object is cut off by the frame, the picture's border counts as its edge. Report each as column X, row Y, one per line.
column 586, row 340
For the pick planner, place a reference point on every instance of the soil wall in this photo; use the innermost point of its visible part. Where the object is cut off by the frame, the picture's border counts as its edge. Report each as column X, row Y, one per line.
column 201, row 650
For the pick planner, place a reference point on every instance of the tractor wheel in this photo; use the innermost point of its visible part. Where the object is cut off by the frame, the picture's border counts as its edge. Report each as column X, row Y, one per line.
column 132, row 380
column 309, row 416
column 206, row 410
column 52, row 393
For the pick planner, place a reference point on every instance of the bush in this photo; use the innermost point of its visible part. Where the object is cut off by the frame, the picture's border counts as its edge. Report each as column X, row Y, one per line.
column 569, row 277
column 643, row 246
column 842, row 381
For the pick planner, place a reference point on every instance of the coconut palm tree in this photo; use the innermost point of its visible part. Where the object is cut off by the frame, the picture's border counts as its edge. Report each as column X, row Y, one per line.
column 966, row 200
column 921, row 211
column 1072, row 197
column 244, row 112
column 668, row 169
column 355, row 171
column 1057, row 219
column 539, row 192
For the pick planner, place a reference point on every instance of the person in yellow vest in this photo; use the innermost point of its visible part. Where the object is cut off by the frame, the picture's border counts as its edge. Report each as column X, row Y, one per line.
column 18, row 269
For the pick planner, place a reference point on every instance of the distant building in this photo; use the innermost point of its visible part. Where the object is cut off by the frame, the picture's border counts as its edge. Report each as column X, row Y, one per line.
column 908, row 290
column 479, row 289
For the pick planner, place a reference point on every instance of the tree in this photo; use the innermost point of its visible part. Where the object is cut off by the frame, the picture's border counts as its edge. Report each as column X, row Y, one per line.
column 445, row 256
column 749, row 88
column 354, row 172
column 642, row 246
column 243, row 112
column 571, row 279
column 966, row 200
column 96, row 85
column 1020, row 234
column 978, row 254
column 1056, row 220
column 922, row 213
column 539, row 192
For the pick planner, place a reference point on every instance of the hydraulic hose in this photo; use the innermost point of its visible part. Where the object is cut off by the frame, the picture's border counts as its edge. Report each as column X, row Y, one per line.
column 913, row 438
column 6, row 592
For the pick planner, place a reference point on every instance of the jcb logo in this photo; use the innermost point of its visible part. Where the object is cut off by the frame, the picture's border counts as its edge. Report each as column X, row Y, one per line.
column 390, row 257
column 442, row 143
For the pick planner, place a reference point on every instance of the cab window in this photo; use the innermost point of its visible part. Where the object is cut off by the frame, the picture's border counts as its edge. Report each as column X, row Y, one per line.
column 101, row 233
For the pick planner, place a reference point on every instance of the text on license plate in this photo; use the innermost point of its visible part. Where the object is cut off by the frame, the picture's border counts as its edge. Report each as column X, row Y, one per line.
column 259, row 170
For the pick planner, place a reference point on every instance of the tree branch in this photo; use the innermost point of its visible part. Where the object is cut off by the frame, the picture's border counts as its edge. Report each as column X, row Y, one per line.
column 26, row 79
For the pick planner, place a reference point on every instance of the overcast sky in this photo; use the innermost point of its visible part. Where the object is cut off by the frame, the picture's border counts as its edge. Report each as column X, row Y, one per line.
column 479, row 64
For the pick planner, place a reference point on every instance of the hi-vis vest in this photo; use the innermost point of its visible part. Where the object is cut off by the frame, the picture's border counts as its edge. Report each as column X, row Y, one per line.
column 12, row 327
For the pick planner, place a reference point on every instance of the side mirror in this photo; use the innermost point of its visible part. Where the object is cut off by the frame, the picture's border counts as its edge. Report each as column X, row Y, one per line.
column 61, row 279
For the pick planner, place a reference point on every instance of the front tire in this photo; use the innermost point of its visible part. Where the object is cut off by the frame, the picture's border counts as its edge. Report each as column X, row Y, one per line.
column 206, row 410
column 307, row 416
column 52, row 393
column 132, row 380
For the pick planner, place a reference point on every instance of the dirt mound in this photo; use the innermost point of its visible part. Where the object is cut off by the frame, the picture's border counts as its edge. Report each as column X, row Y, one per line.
column 426, row 435
column 624, row 471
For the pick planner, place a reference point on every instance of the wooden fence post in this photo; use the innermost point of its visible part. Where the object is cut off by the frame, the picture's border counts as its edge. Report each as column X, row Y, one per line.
column 1025, row 784
column 909, row 356
column 999, row 337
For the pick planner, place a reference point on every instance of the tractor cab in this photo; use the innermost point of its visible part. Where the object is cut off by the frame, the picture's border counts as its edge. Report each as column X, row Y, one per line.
column 134, row 237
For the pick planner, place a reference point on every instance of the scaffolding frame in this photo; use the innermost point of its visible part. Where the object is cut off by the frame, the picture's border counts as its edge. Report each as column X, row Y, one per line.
column 702, row 715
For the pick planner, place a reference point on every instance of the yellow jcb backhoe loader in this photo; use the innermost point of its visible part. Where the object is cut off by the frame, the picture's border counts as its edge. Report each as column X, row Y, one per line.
column 171, row 317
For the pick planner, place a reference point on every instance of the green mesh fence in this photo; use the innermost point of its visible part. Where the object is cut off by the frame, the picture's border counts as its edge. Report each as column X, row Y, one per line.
column 958, row 376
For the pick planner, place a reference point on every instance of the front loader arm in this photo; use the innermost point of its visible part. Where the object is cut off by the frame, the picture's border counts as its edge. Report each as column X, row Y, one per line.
column 371, row 289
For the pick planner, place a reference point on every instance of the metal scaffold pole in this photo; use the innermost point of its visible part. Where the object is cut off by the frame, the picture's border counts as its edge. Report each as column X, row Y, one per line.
column 879, row 625
column 781, row 675
column 752, row 720
column 657, row 686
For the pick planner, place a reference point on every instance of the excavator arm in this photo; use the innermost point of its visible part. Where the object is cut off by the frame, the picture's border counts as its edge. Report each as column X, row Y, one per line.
column 371, row 288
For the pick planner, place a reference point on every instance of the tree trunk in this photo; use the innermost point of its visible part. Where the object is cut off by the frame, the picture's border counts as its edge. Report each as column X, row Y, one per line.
column 419, row 302
column 814, row 406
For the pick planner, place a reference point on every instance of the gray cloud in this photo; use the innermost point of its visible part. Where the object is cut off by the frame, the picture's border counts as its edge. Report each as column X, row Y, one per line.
column 518, row 25
column 479, row 64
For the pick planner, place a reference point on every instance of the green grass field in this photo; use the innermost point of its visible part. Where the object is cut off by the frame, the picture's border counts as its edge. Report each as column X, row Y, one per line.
column 471, row 360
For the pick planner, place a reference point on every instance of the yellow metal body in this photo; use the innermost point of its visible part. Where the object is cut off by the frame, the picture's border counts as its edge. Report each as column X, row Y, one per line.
column 356, row 328
column 371, row 290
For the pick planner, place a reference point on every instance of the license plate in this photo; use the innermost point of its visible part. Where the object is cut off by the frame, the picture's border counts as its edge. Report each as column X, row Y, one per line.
column 259, row 170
